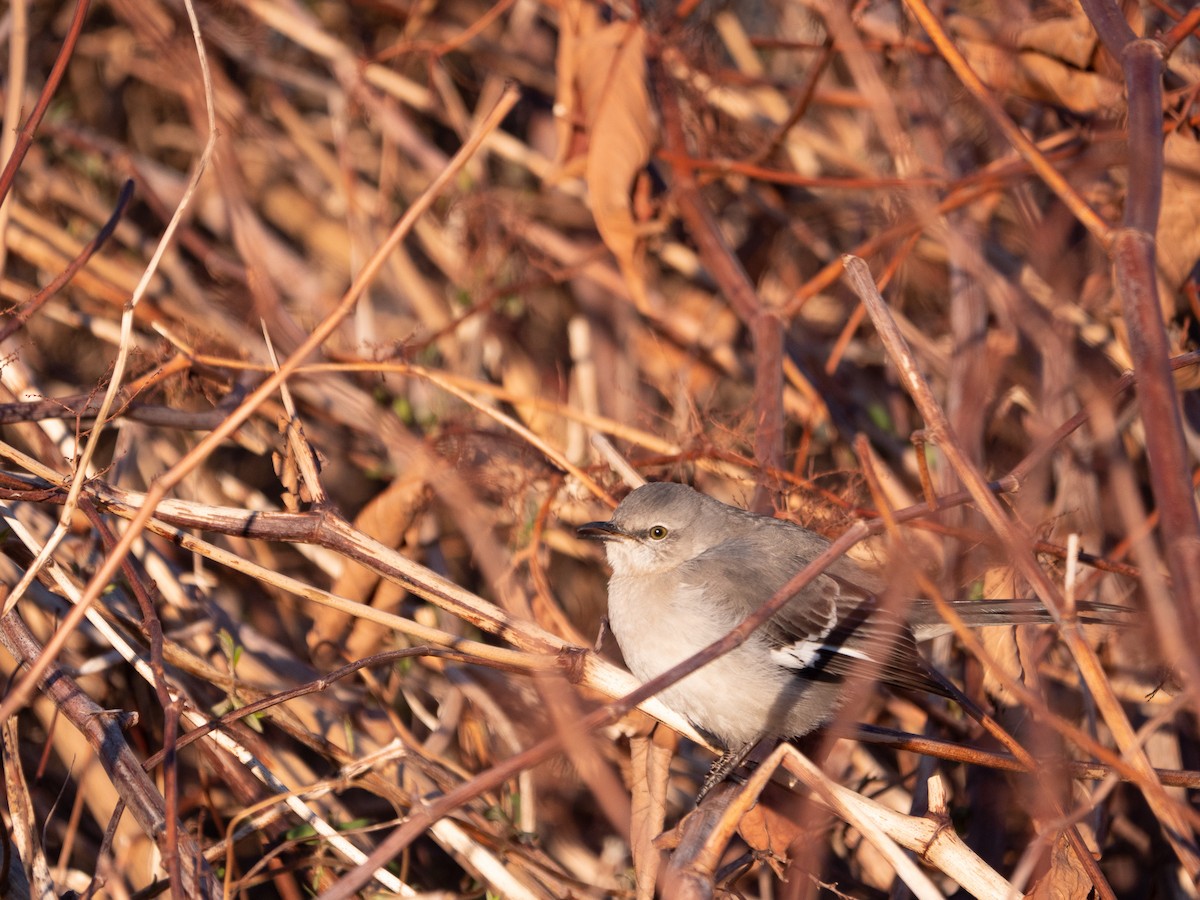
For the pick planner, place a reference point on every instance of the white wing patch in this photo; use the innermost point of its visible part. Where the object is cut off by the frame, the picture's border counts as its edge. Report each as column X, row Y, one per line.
column 803, row 654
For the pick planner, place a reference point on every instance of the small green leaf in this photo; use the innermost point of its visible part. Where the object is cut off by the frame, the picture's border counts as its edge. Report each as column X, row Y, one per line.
column 880, row 417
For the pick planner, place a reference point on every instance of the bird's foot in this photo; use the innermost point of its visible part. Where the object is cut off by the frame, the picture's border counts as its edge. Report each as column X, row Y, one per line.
column 723, row 767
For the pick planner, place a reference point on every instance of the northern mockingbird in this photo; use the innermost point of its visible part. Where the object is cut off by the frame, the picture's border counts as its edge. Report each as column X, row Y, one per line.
column 687, row 568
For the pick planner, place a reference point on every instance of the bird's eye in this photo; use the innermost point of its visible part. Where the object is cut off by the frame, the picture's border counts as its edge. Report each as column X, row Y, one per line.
column 657, row 532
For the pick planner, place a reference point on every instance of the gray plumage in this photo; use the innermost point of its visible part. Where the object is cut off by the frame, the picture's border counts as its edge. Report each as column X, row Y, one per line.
column 687, row 568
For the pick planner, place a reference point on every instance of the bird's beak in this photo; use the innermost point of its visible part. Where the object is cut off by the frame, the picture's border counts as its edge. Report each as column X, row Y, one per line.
column 601, row 531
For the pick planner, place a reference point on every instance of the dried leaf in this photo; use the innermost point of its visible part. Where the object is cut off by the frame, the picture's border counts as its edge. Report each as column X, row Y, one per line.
column 1065, row 879
column 385, row 518
column 612, row 86
column 770, row 827
column 1050, row 80
column 1179, row 225
column 1052, row 63
column 1071, row 39
column 578, row 20
column 651, row 761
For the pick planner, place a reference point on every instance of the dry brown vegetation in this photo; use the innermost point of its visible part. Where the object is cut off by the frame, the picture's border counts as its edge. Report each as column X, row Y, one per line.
column 329, row 321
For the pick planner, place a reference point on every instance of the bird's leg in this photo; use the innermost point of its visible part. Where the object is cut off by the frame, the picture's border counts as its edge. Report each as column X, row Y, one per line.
column 728, row 761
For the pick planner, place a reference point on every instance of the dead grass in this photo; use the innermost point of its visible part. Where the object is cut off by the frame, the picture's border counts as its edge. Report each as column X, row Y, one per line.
column 329, row 322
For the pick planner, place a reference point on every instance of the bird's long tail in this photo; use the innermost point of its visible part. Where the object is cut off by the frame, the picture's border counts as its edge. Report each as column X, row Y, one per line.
column 927, row 621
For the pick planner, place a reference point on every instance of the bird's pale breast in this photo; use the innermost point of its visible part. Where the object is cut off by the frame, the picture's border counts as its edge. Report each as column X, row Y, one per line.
column 737, row 698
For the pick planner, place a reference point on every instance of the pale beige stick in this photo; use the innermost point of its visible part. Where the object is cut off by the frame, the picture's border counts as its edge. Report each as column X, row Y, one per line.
column 24, row 829
column 1017, row 541
column 301, row 27
column 489, row 618
column 1046, row 171
column 297, row 446
column 853, row 808
column 513, row 659
column 566, row 410
column 1029, row 860
column 513, row 425
column 583, row 392
column 18, row 46
column 388, row 562
column 136, row 659
column 616, row 461
column 882, row 830
column 934, row 841
column 21, row 690
column 114, row 387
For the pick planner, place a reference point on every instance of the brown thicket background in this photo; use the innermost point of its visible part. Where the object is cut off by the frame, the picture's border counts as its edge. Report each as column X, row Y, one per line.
column 637, row 273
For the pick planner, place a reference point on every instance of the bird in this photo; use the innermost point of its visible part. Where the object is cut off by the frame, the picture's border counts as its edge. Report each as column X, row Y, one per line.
column 687, row 569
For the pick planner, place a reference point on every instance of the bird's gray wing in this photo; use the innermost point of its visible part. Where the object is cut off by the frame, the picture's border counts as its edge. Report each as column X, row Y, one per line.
column 831, row 629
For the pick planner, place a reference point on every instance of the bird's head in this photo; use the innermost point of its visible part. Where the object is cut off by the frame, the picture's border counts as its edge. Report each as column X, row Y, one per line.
column 657, row 528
